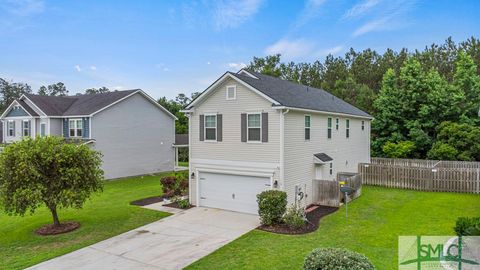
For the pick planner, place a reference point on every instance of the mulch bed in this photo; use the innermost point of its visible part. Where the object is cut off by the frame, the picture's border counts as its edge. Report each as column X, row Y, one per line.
column 64, row 227
column 313, row 218
column 149, row 200
column 175, row 205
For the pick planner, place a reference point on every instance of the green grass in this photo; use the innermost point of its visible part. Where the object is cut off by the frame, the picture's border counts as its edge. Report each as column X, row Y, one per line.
column 183, row 163
column 376, row 219
column 107, row 214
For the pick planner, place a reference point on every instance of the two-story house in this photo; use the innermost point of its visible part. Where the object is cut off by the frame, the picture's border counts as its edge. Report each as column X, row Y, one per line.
column 250, row 132
column 132, row 131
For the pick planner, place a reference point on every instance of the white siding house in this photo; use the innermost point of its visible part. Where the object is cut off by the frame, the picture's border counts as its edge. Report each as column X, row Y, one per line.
column 248, row 134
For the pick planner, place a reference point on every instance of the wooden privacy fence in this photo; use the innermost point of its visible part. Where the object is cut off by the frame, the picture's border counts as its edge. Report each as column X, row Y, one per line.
column 327, row 192
column 427, row 175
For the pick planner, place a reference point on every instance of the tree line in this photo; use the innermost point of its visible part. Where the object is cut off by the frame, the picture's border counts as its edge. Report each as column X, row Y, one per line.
column 426, row 103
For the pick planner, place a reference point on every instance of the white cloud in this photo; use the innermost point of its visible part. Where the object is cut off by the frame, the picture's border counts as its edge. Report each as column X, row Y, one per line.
column 360, row 8
column 310, row 10
column 93, row 68
column 392, row 15
column 23, row 7
column 333, row 51
column 291, row 49
column 208, row 63
column 78, row 68
column 233, row 13
column 237, row 66
column 118, row 87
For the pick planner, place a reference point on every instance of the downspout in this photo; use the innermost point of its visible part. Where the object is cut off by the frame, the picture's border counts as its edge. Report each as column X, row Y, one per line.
column 282, row 147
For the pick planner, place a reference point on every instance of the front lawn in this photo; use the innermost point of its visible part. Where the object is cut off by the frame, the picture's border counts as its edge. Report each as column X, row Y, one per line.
column 376, row 219
column 106, row 215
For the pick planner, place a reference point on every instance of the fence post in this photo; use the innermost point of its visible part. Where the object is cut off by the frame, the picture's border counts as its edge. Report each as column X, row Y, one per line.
column 478, row 180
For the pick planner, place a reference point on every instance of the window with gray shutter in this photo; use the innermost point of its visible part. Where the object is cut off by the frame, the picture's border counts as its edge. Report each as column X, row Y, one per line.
column 243, row 125
column 219, row 127
column 264, row 127
column 201, row 127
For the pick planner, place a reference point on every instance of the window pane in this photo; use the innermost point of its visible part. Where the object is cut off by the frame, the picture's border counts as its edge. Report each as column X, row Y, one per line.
column 307, row 134
column 348, row 123
column 329, row 122
column 79, row 124
column 254, row 120
column 329, row 133
column 336, row 124
column 210, row 121
column 25, row 124
column 71, row 123
column 307, row 121
column 254, row 134
column 231, row 92
column 348, row 133
column 72, row 132
column 210, row 134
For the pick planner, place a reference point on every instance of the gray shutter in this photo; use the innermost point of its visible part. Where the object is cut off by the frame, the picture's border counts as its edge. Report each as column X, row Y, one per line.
column 264, row 127
column 219, row 127
column 14, row 129
column 243, row 124
column 30, row 128
column 202, row 123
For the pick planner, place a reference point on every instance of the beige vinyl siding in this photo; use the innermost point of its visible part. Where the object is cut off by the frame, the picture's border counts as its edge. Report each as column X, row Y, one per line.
column 231, row 149
column 346, row 153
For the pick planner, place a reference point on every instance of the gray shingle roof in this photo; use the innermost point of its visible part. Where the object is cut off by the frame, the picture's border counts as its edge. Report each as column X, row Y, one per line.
column 28, row 108
column 77, row 105
column 323, row 157
column 295, row 95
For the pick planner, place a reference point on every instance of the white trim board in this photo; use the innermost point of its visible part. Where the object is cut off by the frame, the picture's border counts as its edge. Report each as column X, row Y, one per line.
column 321, row 112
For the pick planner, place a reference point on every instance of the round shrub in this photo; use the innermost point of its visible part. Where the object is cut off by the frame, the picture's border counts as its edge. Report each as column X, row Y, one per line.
column 336, row 259
column 272, row 204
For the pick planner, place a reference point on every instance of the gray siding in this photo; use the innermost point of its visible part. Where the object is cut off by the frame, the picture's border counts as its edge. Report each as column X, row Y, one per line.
column 231, row 153
column 56, row 127
column 346, row 153
column 18, row 128
column 135, row 138
column 17, row 111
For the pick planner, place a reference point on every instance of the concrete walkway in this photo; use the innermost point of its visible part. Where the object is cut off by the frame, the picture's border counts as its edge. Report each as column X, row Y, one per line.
column 170, row 243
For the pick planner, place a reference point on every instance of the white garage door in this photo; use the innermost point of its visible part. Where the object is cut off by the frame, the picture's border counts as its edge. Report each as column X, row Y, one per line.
column 231, row 192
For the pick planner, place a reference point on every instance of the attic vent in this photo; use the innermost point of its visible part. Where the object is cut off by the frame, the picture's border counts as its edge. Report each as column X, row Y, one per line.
column 231, row 92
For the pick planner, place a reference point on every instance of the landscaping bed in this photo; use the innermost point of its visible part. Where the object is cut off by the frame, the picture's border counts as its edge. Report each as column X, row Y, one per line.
column 64, row 227
column 176, row 205
column 149, row 200
column 313, row 218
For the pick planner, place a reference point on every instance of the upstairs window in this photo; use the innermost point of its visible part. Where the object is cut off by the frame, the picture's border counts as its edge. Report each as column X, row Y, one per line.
column 329, row 128
column 75, row 127
column 254, row 127
column 363, row 125
column 231, row 92
column 26, row 128
column 307, row 127
column 331, row 168
column 336, row 123
column 210, row 127
column 347, row 128
column 11, row 128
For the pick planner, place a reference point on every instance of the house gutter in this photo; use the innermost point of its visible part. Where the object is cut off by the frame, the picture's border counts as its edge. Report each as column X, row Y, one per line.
column 323, row 112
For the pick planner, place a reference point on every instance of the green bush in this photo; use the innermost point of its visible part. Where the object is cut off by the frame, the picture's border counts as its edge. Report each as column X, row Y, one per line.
column 272, row 205
column 401, row 149
column 176, row 185
column 442, row 151
column 467, row 226
column 183, row 203
column 336, row 259
column 294, row 217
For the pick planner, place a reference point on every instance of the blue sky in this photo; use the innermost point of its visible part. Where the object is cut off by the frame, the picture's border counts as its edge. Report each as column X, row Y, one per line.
column 168, row 47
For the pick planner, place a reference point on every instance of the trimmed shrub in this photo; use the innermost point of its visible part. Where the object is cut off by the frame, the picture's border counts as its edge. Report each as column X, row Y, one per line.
column 174, row 185
column 467, row 226
column 294, row 217
column 183, row 203
column 336, row 258
column 272, row 205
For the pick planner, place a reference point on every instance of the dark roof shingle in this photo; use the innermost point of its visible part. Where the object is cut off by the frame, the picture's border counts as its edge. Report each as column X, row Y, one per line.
column 296, row 95
column 76, row 105
column 323, row 157
column 26, row 107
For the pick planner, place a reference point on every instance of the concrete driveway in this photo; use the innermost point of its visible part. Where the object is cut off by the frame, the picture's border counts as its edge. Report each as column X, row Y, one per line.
column 170, row 243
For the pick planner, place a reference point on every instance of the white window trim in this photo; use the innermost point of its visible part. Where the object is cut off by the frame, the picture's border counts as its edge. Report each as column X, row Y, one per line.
column 305, row 127
column 205, row 126
column 234, row 92
column 27, row 129
column 10, row 128
column 76, row 128
column 248, row 137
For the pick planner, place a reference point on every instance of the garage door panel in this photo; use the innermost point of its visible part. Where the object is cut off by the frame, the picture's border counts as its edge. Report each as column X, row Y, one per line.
column 231, row 192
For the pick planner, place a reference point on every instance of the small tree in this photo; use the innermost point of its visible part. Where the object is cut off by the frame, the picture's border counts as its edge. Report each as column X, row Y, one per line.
column 47, row 171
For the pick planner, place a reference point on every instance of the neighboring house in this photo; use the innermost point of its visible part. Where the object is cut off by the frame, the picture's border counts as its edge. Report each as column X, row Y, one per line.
column 250, row 132
column 132, row 131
